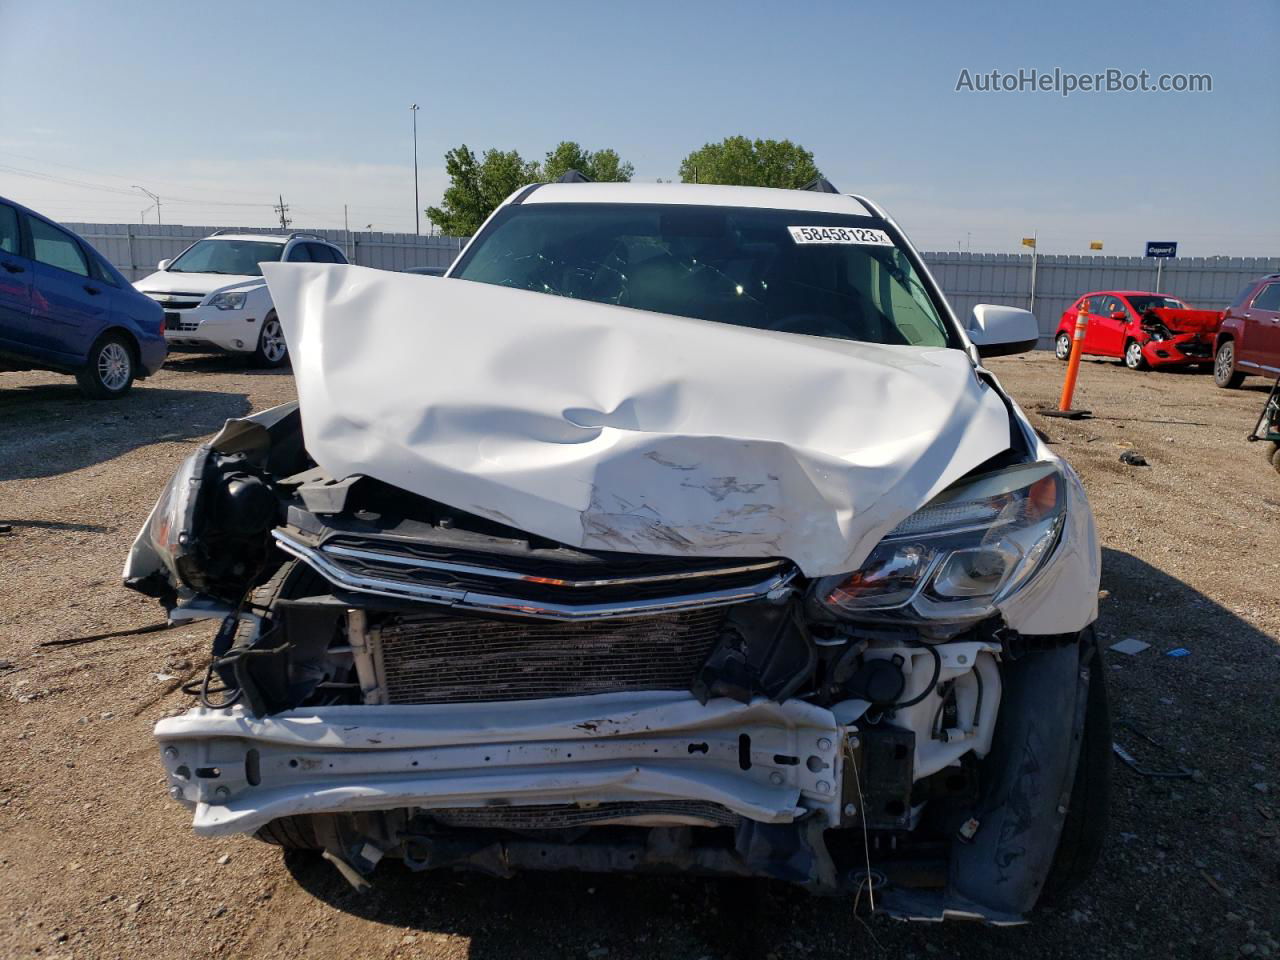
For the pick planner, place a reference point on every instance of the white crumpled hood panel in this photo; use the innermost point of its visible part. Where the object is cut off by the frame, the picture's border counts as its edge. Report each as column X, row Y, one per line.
column 616, row 429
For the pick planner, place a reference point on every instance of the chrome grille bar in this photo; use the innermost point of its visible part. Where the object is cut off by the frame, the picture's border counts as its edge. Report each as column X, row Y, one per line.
column 333, row 571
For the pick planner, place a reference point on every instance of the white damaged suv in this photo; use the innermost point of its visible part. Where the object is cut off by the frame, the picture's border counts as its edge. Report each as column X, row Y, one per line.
column 676, row 528
column 215, row 298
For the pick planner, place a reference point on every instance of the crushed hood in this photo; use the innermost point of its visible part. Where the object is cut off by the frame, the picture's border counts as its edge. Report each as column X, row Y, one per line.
column 608, row 428
column 1188, row 320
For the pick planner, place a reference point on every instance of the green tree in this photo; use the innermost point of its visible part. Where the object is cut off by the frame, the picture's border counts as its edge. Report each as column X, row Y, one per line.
column 477, row 187
column 750, row 163
column 603, row 166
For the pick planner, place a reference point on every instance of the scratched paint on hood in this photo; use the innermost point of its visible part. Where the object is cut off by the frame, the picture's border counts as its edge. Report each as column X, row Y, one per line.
column 609, row 428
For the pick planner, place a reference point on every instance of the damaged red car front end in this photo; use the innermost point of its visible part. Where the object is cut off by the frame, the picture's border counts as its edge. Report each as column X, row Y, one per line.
column 1178, row 337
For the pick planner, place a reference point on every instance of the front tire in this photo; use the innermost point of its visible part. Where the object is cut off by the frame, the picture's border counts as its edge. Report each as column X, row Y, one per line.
column 110, row 370
column 272, row 350
column 1085, row 827
column 1133, row 358
column 1062, row 347
column 1225, row 374
column 291, row 833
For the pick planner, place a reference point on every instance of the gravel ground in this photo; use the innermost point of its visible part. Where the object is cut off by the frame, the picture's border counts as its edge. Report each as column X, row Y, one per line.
column 96, row 861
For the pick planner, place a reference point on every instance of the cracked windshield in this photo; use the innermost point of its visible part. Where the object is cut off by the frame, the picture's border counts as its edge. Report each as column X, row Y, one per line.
column 817, row 274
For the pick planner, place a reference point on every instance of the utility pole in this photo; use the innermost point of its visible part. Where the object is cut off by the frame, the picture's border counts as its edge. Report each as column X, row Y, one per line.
column 417, row 229
column 346, row 231
column 153, row 197
column 282, row 208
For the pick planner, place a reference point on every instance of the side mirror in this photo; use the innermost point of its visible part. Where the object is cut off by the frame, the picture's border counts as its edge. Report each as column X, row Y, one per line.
column 163, row 264
column 1119, row 315
column 998, row 331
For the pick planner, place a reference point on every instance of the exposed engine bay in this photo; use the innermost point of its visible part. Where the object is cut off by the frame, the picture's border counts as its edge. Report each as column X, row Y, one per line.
column 396, row 677
column 758, row 574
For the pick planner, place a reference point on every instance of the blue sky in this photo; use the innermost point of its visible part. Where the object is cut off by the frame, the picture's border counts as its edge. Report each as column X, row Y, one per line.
column 220, row 107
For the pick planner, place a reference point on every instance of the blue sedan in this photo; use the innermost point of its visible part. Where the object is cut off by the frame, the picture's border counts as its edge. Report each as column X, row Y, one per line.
column 64, row 308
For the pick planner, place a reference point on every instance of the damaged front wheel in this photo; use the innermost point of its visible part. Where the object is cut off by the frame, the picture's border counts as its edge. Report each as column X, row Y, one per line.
column 1085, row 827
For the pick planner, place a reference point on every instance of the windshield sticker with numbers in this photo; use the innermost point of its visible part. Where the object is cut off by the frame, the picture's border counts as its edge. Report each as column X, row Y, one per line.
column 858, row 235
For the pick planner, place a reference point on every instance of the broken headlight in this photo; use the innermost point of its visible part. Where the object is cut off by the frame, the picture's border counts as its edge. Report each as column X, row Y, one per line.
column 959, row 555
column 211, row 525
column 170, row 528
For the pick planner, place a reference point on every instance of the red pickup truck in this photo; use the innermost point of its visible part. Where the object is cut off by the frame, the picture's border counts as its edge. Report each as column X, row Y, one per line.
column 1143, row 329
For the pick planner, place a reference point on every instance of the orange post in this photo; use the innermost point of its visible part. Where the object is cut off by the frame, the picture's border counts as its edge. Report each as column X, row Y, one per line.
column 1073, row 363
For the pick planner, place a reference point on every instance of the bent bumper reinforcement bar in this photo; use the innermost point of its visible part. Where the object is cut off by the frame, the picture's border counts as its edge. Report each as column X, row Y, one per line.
column 774, row 585
column 767, row 761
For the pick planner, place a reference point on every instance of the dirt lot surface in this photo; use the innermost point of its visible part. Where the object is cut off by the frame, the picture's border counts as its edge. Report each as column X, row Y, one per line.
column 96, row 861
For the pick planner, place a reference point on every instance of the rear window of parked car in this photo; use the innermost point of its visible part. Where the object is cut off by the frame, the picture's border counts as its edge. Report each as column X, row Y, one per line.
column 321, row 253
column 55, row 248
column 8, row 230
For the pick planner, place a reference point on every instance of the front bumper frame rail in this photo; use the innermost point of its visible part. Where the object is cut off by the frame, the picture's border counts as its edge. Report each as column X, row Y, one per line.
column 766, row 761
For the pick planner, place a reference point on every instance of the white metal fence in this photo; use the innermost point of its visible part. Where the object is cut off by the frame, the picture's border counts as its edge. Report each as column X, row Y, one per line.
column 135, row 249
column 966, row 278
column 971, row 278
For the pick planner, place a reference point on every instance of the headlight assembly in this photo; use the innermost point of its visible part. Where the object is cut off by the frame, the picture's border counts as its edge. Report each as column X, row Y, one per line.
column 228, row 301
column 171, row 529
column 959, row 555
column 210, row 527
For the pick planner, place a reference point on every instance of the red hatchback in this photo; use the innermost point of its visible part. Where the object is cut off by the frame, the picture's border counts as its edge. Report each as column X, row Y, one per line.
column 1142, row 329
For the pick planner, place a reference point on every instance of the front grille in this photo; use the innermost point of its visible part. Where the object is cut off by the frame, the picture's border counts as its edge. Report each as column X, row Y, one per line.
column 437, row 659
column 1194, row 349
column 177, row 301
column 174, row 322
column 546, row 576
column 563, row 816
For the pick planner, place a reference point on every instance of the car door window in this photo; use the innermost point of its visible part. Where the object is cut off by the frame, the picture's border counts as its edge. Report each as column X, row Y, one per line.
column 338, row 256
column 319, row 253
column 56, row 248
column 1269, row 298
column 9, row 242
column 100, row 271
column 298, row 254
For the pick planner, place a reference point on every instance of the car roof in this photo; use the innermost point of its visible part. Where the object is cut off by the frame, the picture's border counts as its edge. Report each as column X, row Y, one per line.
column 1128, row 293
column 37, row 214
column 271, row 237
column 701, row 194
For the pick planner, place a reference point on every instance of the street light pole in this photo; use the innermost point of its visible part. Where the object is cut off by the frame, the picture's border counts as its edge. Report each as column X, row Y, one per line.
column 417, row 229
column 153, row 197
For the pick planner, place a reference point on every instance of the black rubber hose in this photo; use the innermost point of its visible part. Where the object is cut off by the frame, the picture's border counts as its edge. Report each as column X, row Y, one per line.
column 937, row 672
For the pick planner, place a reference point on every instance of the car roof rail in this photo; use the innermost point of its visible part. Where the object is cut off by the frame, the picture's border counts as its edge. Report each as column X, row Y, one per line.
column 308, row 236
column 573, row 176
column 820, row 184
